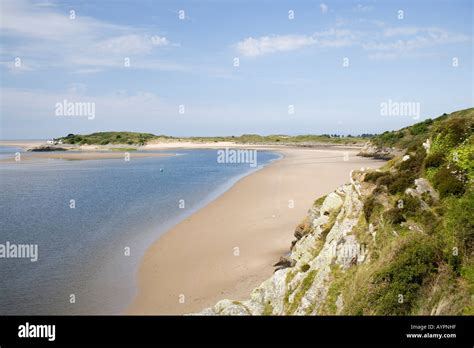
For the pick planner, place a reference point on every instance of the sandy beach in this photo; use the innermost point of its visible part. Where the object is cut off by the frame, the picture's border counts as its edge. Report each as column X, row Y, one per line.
column 228, row 247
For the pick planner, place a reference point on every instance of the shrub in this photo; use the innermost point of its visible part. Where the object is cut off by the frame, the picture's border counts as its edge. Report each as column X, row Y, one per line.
column 403, row 276
column 421, row 127
column 369, row 205
column 411, row 205
column 435, row 160
column 414, row 163
column 459, row 219
column 373, row 176
column 448, row 183
column 386, row 179
column 401, row 183
column 394, row 216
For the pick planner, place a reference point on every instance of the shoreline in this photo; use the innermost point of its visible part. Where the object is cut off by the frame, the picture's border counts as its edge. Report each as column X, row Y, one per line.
column 81, row 156
column 194, row 264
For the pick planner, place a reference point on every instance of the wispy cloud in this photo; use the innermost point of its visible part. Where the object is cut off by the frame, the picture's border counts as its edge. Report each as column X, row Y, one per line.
column 363, row 8
column 323, row 8
column 253, row 47
column 410, row 41
column 48, row 38
column 380, row 42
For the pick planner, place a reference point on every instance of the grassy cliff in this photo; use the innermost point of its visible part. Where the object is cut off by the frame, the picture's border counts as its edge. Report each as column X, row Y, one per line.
column 395, row 241
column 422, row 206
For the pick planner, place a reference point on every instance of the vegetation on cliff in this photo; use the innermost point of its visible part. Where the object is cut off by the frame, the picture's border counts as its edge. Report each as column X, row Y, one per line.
column 422, row 212
column 396, row 241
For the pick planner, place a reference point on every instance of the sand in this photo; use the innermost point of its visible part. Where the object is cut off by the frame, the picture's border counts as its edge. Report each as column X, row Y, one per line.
column 228, row 247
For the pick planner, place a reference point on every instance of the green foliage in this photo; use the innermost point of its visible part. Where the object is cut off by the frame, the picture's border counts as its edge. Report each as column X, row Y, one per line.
column 394, row 216
column 303, row 288
column 401, row 182
column 104, row 138
column 397, row 284
column 373, row 176
column 435, row 160
column 370, row 205
column 387, row 139
column 462, row 157
column 452, row 132
column 459, row 220
column 448, row 183
column 421, row 128
column 305, row 267
column 428, row 268
column 268, row 308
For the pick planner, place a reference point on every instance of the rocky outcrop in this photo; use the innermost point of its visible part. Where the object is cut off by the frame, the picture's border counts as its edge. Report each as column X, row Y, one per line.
column 327, row 244
column 373, row 151
column 45, row 148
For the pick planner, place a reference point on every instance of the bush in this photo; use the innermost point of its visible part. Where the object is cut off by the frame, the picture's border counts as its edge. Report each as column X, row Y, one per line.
column 414, row 163
column 411, row 205
column 435, row 160
column 373, row 176
column 394, row 216
column 403, row 276
column 421, row 127
column 459, row 220
column 369, row 205
column 386, row 179
column 401, row 183
column 448, row 183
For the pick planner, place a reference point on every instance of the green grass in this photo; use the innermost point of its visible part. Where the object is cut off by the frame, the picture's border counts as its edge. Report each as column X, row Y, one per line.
column 105, row 138
column 133, row 138
column 301, row 291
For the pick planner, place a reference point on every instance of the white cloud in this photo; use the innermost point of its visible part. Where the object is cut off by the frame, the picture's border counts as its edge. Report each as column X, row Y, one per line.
column 382, row 42
column 50, row 39
column 131, row 44
column 323, row 8
column 363, row 8
column 251, row 47
column 404, row 41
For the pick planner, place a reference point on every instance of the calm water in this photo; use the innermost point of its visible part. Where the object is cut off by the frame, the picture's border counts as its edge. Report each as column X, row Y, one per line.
column 119, row 205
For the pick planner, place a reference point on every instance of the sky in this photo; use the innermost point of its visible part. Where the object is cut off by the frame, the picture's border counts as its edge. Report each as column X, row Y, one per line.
column 204, row 68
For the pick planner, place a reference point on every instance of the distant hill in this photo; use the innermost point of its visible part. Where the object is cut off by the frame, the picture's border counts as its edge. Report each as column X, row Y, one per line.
column 104, row 138
column 132, row 138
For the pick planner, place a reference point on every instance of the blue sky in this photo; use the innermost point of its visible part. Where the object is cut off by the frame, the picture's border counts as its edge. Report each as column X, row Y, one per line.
column 190, row 62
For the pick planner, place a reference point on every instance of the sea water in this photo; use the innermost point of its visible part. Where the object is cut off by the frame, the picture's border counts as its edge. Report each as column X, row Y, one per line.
column 92, row 221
